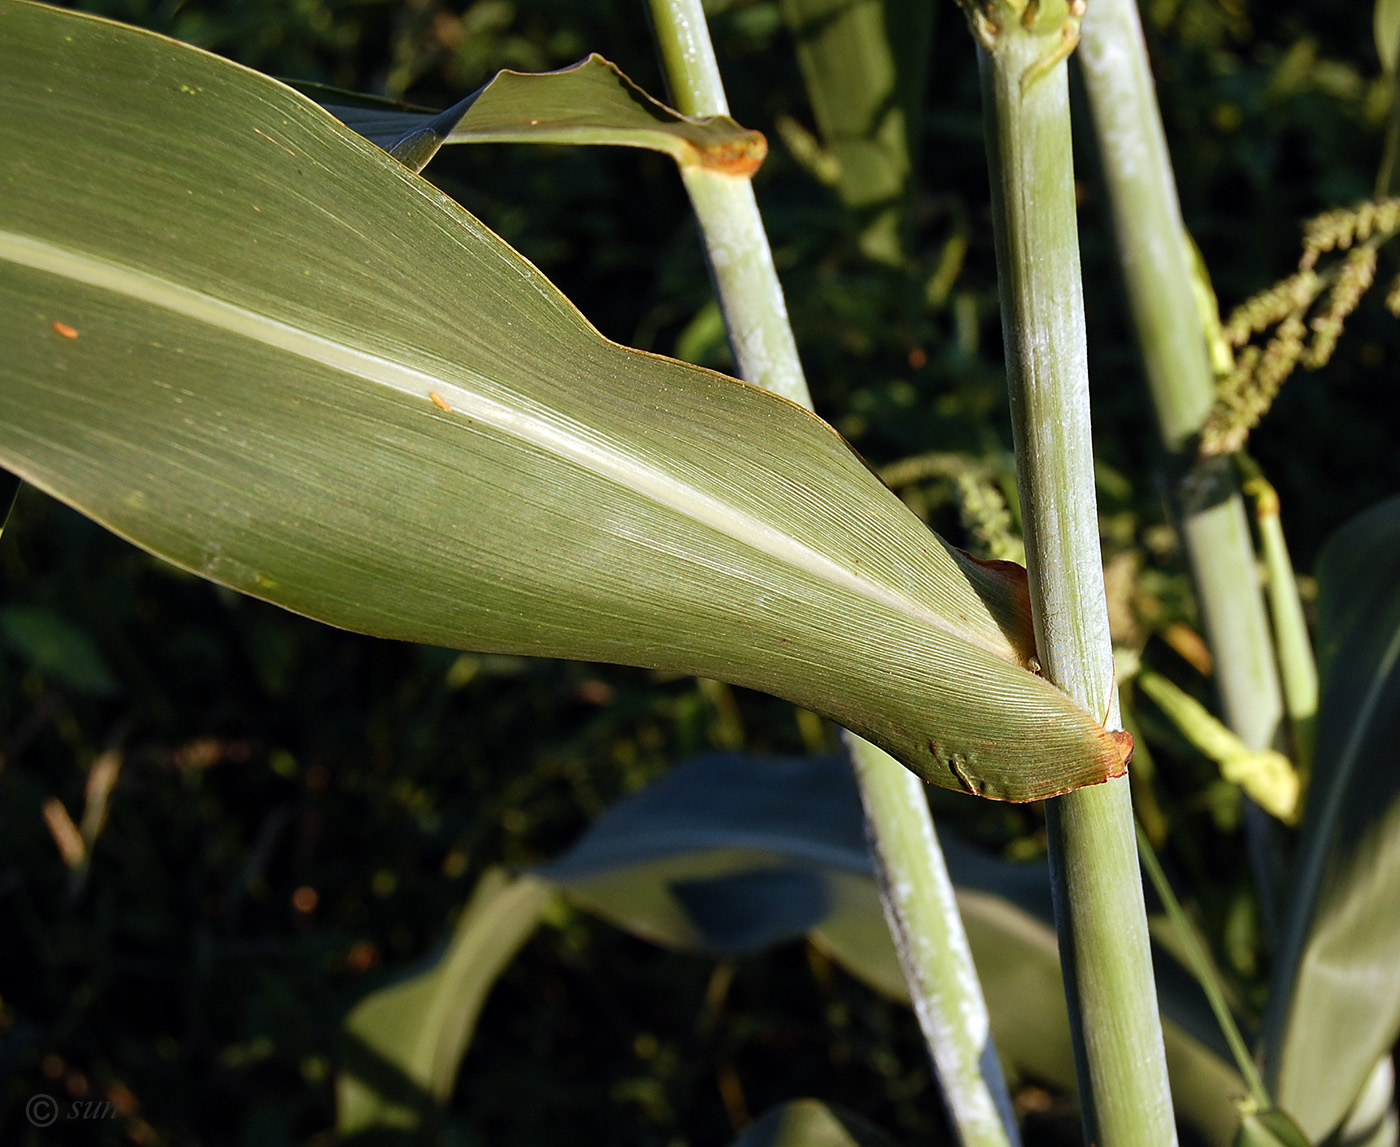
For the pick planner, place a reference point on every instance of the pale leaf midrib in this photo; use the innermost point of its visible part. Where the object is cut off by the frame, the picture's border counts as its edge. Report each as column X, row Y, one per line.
column 562, row 437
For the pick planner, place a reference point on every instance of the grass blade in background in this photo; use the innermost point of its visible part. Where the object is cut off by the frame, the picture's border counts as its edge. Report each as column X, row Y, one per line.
column 811, row 1123
column 405, row 1042
column 245, row 338
column 53, row 645
column 1334, row 1001
column 591, row 102
column 863, row 63
column 727, row 854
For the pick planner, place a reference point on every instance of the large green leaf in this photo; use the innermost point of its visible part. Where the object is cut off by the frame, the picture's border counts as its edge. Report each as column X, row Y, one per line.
column 245, row 338
column 1335, row 999
column 590, row 102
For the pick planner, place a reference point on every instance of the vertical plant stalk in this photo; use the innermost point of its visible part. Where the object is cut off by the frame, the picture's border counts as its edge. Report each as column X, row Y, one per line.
column 1099, row 910
column 736, row 245
column 915, row 889
column 1156, row 260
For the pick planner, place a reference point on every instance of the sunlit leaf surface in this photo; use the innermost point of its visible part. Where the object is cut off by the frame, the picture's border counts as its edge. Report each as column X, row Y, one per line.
column 243, row 337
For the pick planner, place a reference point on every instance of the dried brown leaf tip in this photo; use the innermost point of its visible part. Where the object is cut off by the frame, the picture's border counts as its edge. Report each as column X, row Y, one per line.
column 1123, row 742
column 741, row 157
column 1300, row 318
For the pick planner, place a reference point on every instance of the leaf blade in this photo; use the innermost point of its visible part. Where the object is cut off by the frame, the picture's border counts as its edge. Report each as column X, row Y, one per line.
column 591, row 102
column 250, row 395
column 1335, row 998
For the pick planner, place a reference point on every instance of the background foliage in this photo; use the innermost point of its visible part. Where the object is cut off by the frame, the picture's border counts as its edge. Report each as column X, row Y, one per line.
column 300, row 812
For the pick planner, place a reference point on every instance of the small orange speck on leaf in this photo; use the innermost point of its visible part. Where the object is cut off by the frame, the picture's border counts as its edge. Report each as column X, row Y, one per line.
column 439, row 401
column 64, row 329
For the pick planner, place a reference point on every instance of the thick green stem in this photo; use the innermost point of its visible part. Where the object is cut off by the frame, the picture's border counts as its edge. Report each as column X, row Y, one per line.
column 1156, row 260
column 1099, row 907
column 915, row 888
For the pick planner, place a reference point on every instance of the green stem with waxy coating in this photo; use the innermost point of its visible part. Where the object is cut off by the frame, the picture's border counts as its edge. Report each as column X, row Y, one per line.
column 1099, row 908
column 1156, row 259
column 1165, row 294
column 736, row 245
column 922, row 913
column 915, row 888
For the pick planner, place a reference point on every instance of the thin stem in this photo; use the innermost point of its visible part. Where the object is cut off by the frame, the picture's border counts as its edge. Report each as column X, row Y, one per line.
column 915, row 888
column 1099, row 909
column 1155, row 256
column 9, row 492
column 688, row 57
column 736, row 244
column 1297, row 665
column 741, row 266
